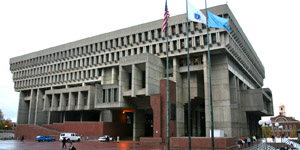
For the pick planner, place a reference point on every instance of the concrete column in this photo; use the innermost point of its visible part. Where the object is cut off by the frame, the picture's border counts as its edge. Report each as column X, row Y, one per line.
column 100, row 117
column 32, row 106
column 102, row 76
column 106, row 115
column 49, row 116
column 23, row 111
column 40, row 115
column 138, row 124
column 206, row 95
column 114, row 75
column 179, row 99
column 133, row 80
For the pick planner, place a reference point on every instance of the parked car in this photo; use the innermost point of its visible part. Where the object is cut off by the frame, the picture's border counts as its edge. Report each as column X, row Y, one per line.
column 44, row 138
column 70, row 137
column 105, row 138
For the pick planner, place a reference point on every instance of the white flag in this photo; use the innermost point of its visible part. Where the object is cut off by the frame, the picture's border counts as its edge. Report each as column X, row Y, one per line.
column 195, row 14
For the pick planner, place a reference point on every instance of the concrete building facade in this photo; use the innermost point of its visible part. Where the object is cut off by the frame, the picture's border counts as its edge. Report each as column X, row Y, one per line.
column 119, row 77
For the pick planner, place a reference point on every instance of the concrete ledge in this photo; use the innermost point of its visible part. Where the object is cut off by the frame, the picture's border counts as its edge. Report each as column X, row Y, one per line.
column 204, row 143
column 146, row 140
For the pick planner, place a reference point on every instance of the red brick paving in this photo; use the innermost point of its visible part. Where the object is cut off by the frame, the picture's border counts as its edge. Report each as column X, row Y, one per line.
column 87, row 145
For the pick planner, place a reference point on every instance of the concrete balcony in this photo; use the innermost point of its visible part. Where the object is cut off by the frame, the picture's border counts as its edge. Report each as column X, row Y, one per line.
column 257, row 101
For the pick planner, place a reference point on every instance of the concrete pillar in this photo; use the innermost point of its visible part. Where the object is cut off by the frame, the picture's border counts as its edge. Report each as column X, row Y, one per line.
column 32, row 106
column 138, row 124
column 48, row 119
column 134, row 80
column 23, row 111
column 40, row 115
column 102, row 76
column 106, row 116
column 114, row 75
column 179, row 99
column 206, row 95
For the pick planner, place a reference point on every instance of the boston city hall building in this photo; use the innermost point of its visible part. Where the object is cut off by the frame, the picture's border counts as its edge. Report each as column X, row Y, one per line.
column 115, row 83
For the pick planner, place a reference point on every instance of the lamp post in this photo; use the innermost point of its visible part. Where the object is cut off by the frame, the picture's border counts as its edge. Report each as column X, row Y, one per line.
column 280, row 127
column 265, row 124
column 274, row 127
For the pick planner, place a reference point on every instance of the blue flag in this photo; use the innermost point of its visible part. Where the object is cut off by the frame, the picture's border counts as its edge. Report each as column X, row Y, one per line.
column 217, row 22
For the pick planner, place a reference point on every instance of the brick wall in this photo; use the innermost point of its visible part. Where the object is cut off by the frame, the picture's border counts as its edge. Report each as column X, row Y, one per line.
column 31, row 131
column 204, row 143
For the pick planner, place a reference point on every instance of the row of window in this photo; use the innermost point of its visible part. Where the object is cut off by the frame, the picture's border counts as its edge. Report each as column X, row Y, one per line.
column 114, row 56
column 106, row 45
column 109, row 95
column 59, row 78
column 55, row 99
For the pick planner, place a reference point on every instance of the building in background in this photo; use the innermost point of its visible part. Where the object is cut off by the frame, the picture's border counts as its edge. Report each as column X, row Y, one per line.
column 289, row 124
column 1, row 115
column 117, row 80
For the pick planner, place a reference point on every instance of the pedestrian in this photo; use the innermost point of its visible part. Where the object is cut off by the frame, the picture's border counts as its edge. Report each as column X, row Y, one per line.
column 240, row 144
column 71, row 146
column 292, row 146
column 64, row 141
column 22, row 137
column 273, row 138
column 245, row 141
column 249, row 141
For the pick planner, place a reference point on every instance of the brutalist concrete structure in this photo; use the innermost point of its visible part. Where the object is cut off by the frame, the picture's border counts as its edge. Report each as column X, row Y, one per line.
column 119, row 77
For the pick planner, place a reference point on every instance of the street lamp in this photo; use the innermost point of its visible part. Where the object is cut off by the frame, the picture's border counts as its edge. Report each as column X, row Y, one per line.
column 265, row 124
column 280, row 127
column 274, row 127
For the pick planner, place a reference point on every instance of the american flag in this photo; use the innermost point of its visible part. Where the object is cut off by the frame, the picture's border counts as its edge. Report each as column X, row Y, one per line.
column 166, row 18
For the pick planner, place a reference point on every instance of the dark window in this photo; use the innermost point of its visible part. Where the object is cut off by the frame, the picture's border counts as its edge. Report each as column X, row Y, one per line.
column 76, row 100
column 173, row 29
column 143, row 79
column 154, row 49
column 146, row 36
column 197, row 41
column 175, row 45
column 108, row 94
column 213, row 38
column 152, row 34
column 103, row 95
column 140, row 37
column 173, row 112
column 159, row 33
column 115, row 94
column 205, row 39
column 182, row 62
column 180, row 28
column 129, row 81
column 182, row 43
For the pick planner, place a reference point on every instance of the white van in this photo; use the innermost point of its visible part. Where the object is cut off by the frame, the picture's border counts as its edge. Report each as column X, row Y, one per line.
column 70, row 137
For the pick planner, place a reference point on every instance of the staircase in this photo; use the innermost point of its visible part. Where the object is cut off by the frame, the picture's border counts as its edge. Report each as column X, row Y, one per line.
column 261, row 146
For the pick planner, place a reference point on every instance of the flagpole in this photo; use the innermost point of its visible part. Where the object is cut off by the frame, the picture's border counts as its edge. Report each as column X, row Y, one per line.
column 167, row 72
column 210, row 89
column 188, row 76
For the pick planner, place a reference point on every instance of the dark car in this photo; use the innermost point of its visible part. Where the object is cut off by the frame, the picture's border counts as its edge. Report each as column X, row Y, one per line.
column 44, row 138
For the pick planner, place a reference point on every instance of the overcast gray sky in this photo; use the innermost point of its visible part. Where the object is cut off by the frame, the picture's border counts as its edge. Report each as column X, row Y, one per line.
column 32, row 25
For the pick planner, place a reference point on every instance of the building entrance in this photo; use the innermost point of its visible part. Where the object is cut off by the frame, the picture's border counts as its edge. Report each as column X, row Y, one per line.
column 149, row 125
